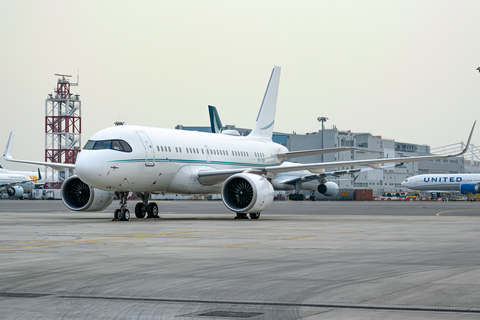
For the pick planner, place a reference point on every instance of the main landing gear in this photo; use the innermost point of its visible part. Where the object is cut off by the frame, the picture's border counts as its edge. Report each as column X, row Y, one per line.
column 142, row 209
column 244, row 216
column 296, row 197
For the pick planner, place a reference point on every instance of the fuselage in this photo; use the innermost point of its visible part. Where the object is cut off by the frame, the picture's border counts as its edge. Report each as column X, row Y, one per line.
column 440, row 182
column 12, row 178
column 157, row 160
column 28, row 175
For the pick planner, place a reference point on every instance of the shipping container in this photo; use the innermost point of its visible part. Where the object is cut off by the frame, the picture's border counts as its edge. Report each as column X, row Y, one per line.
column 364, row 194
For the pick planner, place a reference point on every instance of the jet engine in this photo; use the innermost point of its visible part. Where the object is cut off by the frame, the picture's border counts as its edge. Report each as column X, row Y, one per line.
column 328, row 188
column 15, row 191
column 469, row 188
column 79, row 196
column 247, row 193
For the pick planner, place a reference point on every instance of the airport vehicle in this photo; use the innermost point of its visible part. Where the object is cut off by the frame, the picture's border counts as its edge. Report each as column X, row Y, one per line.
column 146, row 160
column 466, row 183
column 16, row 184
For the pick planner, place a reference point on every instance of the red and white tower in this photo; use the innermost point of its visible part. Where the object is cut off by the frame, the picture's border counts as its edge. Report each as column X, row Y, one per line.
column 63, row 128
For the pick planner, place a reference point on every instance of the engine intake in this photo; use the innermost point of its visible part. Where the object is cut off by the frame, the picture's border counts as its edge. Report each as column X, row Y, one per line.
column 79, row 196
column 247, row 193
column 328, row 188
column 15, row 191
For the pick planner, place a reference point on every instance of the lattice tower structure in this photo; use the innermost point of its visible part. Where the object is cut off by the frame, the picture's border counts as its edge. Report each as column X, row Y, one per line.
column 63, row 128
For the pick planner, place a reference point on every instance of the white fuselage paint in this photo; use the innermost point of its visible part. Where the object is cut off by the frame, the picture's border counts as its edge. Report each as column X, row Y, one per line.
column 30, row 175
column 149, row 169
column 9, row 178
column 440, row 182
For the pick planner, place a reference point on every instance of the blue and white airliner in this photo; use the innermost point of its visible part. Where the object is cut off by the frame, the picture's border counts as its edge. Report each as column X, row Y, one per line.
column 465, row 183
column 148, row 160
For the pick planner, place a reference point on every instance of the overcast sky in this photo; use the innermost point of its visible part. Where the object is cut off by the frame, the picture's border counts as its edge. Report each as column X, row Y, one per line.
column 404, row 70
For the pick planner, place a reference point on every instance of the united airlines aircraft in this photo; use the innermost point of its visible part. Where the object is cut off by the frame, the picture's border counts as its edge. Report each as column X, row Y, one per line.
column 146, row 160
column 464, row 183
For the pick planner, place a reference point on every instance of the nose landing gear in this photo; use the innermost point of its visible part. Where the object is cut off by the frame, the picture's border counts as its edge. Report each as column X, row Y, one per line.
column 122, row 214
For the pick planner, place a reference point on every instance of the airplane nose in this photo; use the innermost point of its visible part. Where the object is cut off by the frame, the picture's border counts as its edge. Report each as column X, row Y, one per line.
column 89, row 167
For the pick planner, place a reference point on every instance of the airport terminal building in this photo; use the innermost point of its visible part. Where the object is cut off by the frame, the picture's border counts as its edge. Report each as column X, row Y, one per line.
column 369, row 147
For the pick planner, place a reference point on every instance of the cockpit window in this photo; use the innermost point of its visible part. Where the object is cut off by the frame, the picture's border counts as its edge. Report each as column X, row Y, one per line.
column 118, row 145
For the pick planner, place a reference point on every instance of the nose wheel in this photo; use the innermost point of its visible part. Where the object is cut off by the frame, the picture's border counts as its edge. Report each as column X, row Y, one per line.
column 122, row 214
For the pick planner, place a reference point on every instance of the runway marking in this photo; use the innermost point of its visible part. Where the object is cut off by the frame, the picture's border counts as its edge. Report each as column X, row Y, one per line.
column 300, row 237
column 241, row 244
column 438, row 214
column 351, row 232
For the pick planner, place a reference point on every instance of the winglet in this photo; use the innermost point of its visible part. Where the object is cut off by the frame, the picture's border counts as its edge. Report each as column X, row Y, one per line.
column 39, row 174
column 263, row 128
column 468, row 142
column 7, row 154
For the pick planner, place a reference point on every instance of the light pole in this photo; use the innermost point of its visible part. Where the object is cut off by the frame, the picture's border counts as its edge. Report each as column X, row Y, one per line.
column 322, row 120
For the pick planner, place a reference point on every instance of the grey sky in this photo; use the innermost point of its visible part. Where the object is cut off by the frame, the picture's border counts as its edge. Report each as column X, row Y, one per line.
column 400, row 69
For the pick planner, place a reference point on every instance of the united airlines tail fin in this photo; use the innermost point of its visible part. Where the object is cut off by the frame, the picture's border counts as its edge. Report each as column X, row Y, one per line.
column 215, row 122
column 263, row 128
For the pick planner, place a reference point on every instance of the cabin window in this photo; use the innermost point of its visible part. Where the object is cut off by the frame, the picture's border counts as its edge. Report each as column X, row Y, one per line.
column 159, row 150
column 169, row 149
column 202, row 150
column 176, row 149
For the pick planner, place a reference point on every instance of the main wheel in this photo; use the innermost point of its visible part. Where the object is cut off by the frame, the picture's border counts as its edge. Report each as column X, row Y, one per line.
column 116, row 214
column 254, row 215
column 124, row 215
column 152, row 210
column 241, row 216
column 140, row 210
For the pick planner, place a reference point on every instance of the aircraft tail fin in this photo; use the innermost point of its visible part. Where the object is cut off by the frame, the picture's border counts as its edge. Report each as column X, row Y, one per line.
column 263, row 128
column 215, row 122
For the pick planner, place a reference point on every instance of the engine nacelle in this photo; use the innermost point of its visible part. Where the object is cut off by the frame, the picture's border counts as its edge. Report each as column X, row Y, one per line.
column 328, row 188
column 15, row 191
column 469, row 188
column 247, row 193
column 79, row 196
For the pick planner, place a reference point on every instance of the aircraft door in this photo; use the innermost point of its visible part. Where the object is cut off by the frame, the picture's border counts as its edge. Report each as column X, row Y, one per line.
column 208, row 154
column 149, row 150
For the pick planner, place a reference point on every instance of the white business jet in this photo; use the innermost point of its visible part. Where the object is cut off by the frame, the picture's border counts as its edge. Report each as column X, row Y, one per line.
column 16, row 184
column 146, row 160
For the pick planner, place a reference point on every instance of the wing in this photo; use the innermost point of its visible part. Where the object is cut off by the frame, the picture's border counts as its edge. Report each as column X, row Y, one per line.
column 7, row 155
column 333, row 174
column 217, row 176
column 306, row 153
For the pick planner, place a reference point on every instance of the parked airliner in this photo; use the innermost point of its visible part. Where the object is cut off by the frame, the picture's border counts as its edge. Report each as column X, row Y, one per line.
column 16, row 184
column 464, row 183
column 147, row 160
